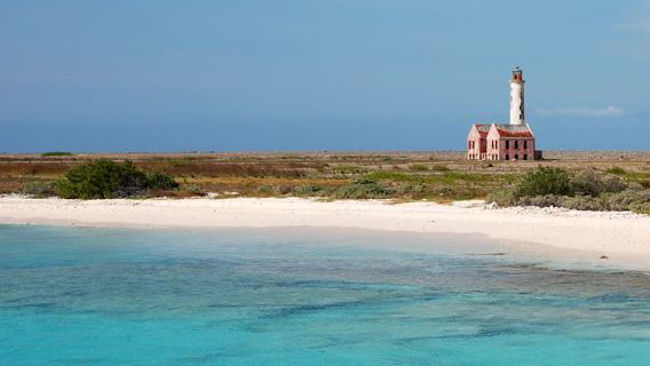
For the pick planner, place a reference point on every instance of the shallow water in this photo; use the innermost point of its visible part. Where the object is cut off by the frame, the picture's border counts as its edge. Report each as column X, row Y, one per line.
column 305, row 297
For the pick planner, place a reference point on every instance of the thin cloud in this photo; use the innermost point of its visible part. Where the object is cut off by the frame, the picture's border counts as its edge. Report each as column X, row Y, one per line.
column 639, row 22
column 641, row 26
column 609, row 111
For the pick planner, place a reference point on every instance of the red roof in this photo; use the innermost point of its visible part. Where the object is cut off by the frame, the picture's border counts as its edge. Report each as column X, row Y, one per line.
column 505, row 130
column 514, row 132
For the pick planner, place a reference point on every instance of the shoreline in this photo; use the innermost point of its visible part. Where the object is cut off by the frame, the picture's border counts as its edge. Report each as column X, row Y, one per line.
column 621, row 236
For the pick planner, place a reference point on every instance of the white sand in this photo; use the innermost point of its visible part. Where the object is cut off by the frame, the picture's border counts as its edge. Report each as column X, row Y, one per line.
column 605, row 233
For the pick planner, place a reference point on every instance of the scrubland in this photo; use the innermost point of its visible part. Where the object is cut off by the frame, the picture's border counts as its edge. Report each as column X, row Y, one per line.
column 401, row 176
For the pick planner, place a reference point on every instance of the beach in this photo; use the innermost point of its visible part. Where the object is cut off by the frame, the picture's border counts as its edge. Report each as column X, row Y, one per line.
column 603, row 235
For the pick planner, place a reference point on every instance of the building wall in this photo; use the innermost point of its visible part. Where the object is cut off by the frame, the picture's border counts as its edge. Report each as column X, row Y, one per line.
column 476, row 146
column 511, row 149
column 493, row 146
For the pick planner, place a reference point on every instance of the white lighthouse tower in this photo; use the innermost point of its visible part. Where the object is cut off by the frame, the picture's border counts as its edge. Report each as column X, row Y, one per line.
column 517, row 116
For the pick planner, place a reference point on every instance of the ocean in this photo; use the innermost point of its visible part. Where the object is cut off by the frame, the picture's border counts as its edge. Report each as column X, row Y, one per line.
column 98, row 296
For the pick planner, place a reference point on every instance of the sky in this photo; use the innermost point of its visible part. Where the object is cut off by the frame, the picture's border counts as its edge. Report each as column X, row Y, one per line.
column 223, row 75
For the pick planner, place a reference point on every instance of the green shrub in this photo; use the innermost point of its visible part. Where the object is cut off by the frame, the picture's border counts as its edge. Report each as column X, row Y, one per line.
column 161, row 181
column 503, row 197
column 308, row 190
column 547, row 200
column 103, row 178
column 591, row 184
column 195, row 190
column 645, row 183
column 612, row 183
column 388, row 175
column 543, row 181
column 348, row 169
column 283, row 189
column 39, row 189
column 616, row 170
column 635, row 186
column 440, row 168
column 265, row 188
column 56, row 153
column 363, row 188
column 585, row 203
column 412, row 188
column 641, row 208
column 625, row 200
column 418, row 167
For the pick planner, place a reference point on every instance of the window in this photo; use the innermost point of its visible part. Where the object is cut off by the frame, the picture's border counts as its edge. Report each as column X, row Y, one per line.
column 507, row 156
column 525, row 145
column 516, row 156
column 525, row 156
column 507, row 145
column 516, row 144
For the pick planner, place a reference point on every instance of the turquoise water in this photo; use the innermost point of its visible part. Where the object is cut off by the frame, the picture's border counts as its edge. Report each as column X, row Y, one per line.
column 71, row 296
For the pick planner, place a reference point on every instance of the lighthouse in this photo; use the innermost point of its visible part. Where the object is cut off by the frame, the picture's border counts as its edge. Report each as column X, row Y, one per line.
column 517, row 116
column 512, row 141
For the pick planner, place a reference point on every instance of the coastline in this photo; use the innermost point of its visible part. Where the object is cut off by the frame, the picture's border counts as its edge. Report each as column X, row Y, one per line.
column 613, row 234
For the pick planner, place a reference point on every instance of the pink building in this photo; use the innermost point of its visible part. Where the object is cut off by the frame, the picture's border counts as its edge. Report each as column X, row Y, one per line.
column 498, row 141
column 501, row 142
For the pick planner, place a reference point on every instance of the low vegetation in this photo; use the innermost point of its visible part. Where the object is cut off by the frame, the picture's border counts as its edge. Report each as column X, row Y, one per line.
column 363, row 188
column 101, row 179
column 56, row 153
column 617, row 181
column 39, row 189
column 584, row 190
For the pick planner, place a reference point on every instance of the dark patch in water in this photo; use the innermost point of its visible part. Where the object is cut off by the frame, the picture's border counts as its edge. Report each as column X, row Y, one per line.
column 486, row 254
column 310, row 308
column 74, row 293
column 40, row 305
column 208, row 357
column 611, row 298
column 494, row 331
